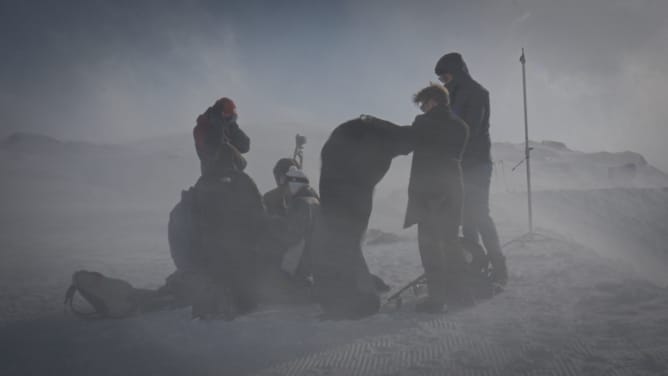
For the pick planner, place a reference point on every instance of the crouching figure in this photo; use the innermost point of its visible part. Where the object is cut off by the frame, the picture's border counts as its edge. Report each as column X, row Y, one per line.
column 354, row 159
column 213, row 236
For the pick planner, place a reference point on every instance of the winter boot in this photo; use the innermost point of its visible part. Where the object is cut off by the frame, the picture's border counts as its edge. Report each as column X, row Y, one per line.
column 499, row 270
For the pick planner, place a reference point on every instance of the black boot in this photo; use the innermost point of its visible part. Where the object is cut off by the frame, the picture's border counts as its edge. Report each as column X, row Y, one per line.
column 499, row 270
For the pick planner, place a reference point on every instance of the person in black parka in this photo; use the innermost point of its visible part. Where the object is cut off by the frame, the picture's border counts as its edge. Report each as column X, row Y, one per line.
column 354, row 159
column 470, row 101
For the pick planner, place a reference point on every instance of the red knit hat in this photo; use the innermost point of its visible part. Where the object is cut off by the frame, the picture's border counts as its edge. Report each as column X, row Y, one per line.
column 226, row 106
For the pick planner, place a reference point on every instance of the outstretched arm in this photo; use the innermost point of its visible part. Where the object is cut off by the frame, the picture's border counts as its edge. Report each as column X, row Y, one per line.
column 404, row 134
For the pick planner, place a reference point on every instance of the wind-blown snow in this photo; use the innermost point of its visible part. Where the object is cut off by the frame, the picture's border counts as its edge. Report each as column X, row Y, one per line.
column 590, row 300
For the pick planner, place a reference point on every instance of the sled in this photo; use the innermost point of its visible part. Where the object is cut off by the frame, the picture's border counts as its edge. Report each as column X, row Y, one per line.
column 479, row 271
column 414, row 286
column 419, row 284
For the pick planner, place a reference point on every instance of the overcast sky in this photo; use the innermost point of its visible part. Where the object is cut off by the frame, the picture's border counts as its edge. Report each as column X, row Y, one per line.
column 116, row 71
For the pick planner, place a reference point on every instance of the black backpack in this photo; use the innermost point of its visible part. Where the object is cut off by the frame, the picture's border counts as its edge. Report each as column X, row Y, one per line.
column 109, row 297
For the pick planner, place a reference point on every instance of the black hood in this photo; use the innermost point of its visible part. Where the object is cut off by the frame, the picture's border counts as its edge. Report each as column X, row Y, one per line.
column 452, row 63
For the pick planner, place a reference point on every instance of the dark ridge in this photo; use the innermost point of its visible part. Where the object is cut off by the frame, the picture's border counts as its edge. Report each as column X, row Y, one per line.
column 20, row 139
column 41, row 144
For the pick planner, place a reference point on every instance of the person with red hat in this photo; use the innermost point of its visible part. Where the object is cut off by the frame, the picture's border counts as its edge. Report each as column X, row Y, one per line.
column 218, row 139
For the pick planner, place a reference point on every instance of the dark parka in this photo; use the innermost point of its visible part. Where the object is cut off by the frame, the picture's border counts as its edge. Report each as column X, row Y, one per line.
column 470, row 101
column 211, row 133
column 212, row 130
column 439, row 138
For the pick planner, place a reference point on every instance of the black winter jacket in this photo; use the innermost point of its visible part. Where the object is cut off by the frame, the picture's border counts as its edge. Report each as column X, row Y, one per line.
column 439, row 138
column 212, row 131
column 470, row 101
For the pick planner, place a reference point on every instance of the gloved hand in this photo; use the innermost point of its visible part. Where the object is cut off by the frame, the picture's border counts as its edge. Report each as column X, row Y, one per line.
column 365, row 117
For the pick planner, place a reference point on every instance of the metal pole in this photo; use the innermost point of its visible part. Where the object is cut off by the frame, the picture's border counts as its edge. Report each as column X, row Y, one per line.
column 527, row 149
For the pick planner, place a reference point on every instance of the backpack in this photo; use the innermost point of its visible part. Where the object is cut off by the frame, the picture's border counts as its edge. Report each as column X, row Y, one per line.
column 109, row 297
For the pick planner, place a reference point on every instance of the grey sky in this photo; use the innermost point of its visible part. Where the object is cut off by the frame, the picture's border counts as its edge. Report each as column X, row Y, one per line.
column 115, row 71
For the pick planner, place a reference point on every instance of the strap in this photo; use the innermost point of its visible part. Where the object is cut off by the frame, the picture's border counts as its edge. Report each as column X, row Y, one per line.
column 69, row 301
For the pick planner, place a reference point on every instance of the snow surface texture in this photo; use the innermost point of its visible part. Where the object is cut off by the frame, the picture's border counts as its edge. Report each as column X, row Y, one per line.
column 590, row 300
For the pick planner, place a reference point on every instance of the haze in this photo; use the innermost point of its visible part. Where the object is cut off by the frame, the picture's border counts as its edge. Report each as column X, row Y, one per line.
column 119, row 71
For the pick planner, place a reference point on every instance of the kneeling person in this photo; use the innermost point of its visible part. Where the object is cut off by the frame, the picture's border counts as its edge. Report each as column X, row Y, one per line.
column 292, row 208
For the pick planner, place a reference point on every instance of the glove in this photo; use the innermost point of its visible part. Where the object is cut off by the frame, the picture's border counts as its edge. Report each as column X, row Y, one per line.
column 365, row 117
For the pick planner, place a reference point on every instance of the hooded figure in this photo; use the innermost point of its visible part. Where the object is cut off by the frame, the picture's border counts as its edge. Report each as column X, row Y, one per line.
column 354, row 159
column 470, row 101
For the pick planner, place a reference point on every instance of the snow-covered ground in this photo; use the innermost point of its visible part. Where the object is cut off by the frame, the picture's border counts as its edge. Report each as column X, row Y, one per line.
column 590, row 299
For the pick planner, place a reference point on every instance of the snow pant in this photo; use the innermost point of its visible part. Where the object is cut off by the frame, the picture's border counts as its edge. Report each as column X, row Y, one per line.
column 476, row 220
column 441, row 253
column 343, row 285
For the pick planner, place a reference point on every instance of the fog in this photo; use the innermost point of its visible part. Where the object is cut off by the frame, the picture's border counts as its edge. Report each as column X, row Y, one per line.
column 104, row 96
column 119, row 71
column 596, row 285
